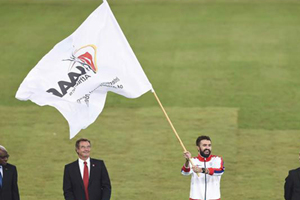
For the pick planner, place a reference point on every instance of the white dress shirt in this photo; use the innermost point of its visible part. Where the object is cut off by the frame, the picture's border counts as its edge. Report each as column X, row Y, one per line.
column 1, row 170
column 81, row 166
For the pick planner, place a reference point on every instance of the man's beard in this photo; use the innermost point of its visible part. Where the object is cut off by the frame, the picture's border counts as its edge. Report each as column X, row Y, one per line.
column 205, row 155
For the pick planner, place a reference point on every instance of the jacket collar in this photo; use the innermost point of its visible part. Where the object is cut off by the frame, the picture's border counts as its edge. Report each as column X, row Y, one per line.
column 202, row 159
column 93, row 170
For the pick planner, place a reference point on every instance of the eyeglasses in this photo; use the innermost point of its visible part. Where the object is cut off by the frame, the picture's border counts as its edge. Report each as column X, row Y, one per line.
column 6, row 156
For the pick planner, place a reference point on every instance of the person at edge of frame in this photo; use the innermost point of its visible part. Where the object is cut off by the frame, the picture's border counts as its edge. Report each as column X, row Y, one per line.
column 8, row 177
column 292, row 184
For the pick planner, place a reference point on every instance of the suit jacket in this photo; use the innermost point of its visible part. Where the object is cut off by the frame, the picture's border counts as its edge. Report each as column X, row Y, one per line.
column 99, row 183
column 9, row 190
column 292, row 185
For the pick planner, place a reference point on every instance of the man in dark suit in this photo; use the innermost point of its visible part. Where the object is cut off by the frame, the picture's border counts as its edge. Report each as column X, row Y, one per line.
column 86, row 178
column 8, row 178
column 292, row 184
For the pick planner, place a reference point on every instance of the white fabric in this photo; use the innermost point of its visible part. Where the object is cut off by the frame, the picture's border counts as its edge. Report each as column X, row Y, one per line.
column 1, row 171
column 80, row 70
column 197, row 188
column 81, row 166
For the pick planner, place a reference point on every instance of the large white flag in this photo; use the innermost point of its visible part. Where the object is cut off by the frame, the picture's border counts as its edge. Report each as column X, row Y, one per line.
column 75, row 76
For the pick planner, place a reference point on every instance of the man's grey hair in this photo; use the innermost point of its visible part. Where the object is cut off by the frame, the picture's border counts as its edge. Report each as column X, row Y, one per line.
column 3, row 148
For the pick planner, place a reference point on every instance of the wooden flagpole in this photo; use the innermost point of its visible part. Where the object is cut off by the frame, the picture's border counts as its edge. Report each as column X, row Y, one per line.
column 174, row 130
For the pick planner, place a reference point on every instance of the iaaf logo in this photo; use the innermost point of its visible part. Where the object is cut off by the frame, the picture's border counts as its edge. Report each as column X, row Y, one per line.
column 84, row 60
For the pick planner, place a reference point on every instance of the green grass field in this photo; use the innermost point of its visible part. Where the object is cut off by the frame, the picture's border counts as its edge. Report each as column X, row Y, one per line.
column 225, row 68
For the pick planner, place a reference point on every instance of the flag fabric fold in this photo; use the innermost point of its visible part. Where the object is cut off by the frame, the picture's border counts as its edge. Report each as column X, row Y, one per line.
column 75, row 76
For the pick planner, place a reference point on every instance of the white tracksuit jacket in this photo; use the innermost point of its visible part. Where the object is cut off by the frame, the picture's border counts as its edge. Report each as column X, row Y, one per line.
column 216, row 168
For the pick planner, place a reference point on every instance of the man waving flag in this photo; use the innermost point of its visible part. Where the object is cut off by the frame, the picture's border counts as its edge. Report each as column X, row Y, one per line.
column 75, row 76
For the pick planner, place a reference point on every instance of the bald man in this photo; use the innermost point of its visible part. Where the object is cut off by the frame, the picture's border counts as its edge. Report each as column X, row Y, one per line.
column 8, row 178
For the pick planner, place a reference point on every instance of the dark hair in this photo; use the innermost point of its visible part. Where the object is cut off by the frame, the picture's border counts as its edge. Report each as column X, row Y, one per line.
column 81, row 140
column 202, row 137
